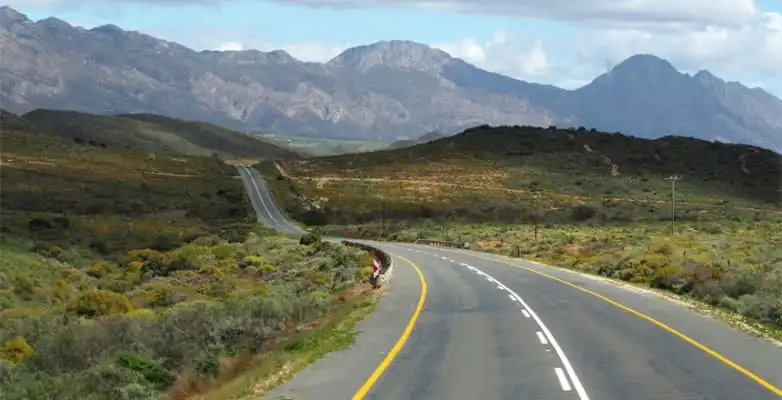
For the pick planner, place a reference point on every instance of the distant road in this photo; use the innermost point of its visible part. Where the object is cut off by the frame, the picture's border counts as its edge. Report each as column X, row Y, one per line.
column 266, row 208
column 490, row 327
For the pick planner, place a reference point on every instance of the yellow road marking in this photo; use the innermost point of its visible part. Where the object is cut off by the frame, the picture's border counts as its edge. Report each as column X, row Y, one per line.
column 639, row 314
column 364, row 389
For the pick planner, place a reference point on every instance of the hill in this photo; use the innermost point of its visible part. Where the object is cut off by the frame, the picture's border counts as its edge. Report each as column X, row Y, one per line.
column 120, row 268
column 147, row 132
column 427, row 137
column 512, row 173
column 382, row 92
column 111, row 199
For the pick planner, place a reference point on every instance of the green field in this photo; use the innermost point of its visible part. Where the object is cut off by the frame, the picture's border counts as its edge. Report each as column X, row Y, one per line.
column 324, row 147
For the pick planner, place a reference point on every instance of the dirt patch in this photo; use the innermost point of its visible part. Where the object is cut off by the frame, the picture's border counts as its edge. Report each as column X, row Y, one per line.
column 242, row 161
column 614, row 167
column 282, row 171
column 166, row 174
column 321, row 182
column 12, row 159
column 743, row 160
column 573, row 249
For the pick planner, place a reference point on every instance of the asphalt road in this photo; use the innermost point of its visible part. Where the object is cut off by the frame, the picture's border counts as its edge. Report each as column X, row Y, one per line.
column 498, row 328
column 264, row 204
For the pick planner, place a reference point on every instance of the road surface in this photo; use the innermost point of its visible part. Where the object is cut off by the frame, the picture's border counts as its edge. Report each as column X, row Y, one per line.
column 490, row 327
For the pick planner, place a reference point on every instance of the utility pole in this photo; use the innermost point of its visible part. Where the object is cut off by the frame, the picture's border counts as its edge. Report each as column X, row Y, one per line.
column 535, row 215
column 382, row 218
column 673, row 180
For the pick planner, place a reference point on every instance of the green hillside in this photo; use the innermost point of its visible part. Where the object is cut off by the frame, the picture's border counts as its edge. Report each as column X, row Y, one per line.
column 121, row 267
column 154, row 132
column 507, row 173
column 113, row 199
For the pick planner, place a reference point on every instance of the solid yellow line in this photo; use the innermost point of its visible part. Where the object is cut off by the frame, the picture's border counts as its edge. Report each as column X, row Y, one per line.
column 364, row 389
column 639, row 314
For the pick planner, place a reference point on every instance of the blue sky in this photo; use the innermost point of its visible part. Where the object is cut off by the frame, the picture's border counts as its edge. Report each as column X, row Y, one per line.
column 564, row 42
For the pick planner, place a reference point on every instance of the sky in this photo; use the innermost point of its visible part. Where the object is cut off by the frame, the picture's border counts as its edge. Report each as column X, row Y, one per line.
column 562, row 42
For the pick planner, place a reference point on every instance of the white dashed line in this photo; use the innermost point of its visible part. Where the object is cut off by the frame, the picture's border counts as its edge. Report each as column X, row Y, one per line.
column 542, row 338
column 500, row 287
column 563, row 380
column 513, row 299
column 526, row 314
column 568, row 372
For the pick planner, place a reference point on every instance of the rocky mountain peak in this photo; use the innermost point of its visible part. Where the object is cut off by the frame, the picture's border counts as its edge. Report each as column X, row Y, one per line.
column 707, row 78
column 393, row 53
column 9, row 16
column 644, row 66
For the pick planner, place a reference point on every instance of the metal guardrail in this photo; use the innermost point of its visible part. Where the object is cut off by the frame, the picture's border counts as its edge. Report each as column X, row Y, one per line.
column 442, row 243
column 386, row 262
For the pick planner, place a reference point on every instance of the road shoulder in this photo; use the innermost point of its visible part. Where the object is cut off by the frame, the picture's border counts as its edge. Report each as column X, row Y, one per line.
column 339, row 375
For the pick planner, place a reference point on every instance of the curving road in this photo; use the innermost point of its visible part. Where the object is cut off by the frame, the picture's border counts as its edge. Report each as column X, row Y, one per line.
column 490, row 327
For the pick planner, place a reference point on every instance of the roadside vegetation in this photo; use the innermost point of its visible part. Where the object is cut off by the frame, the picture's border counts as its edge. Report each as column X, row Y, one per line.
column 130, row 274
column 599, row 203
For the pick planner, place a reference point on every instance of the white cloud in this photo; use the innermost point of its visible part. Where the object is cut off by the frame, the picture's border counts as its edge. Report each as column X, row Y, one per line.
column 724, row 12
column 753, row 48
column 747, row 53
column 230, row 46
column 721, row 12
column 504, row 53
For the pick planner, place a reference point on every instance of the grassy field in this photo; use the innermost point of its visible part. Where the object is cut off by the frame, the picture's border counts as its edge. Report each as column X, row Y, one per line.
column 324, row 147
column 132, row 275
column 600, row 202
column 146, row 131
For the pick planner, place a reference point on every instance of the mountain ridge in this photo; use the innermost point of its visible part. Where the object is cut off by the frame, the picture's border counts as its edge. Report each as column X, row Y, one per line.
column 389, row 90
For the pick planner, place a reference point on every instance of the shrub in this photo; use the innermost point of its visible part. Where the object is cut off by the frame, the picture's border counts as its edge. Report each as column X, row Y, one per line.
column 15, row 350
column 101, row 268
column 142, row 313
column 152, row 371
column 582, row 212
column 96, row 302
column 223, row 251
column 310, row 239
column 15, row 313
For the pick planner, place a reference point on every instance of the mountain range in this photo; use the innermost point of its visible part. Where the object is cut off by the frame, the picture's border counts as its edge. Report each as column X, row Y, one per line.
column 389, row 90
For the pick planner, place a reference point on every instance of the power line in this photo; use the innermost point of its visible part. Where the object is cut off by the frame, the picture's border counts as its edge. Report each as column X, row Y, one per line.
column 673, row 179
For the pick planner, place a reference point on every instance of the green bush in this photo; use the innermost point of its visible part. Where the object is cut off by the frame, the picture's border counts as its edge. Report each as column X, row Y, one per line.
column 15, row 350
column 96, row 302
column 152, row 371
column 210, row 303
column 310, row 239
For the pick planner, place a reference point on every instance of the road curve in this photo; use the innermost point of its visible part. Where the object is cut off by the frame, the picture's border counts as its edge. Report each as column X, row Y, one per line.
column 497, row 328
